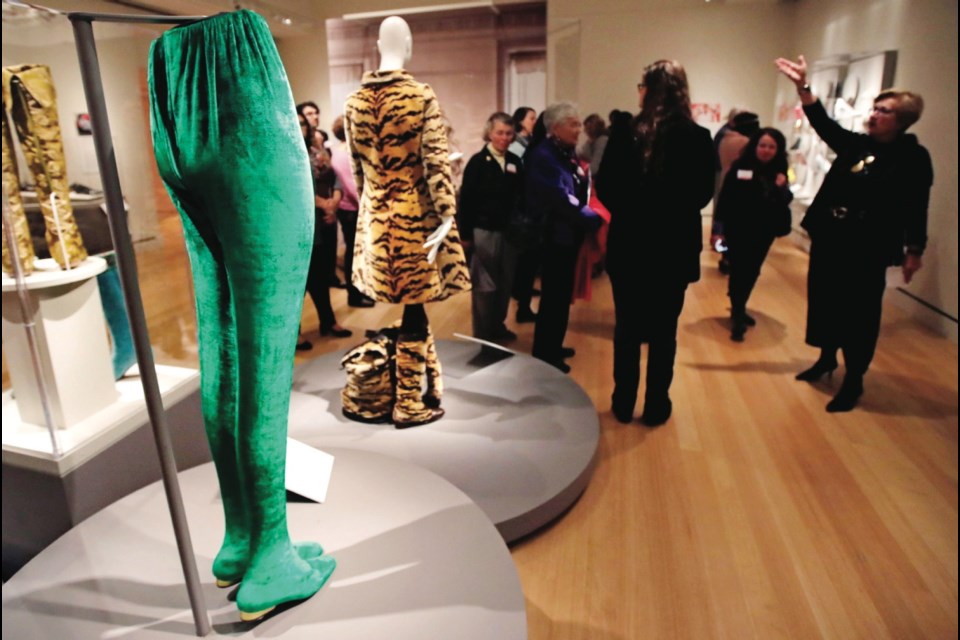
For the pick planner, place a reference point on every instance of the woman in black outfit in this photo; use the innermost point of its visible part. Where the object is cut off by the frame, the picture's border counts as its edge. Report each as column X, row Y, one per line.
column 655, row 187
column 753, row 208
column 870, row 213
column 326, row 192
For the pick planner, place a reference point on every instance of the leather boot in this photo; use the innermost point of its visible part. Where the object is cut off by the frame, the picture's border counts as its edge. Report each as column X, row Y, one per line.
column 21, row 229
column 434, row 375
column 30, row 98
column 410, row 409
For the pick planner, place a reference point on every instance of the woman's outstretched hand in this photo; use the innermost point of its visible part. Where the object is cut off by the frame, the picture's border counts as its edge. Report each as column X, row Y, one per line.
column 796, row 72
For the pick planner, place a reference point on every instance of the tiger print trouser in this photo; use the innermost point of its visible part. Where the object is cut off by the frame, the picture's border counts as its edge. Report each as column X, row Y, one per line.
column 31, row 101
column 231, row 155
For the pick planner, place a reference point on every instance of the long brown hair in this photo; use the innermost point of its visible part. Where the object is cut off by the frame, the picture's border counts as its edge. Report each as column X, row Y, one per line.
column 667, row 95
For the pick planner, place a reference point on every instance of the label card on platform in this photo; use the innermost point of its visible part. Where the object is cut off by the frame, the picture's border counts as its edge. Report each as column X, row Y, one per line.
column 308, row 470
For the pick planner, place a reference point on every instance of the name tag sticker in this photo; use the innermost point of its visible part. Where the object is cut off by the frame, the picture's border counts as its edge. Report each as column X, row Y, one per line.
column 744, row 174
column 511, row 168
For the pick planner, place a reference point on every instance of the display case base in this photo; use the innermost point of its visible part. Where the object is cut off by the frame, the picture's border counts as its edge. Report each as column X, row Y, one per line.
column 103, row 458
column 416, row 559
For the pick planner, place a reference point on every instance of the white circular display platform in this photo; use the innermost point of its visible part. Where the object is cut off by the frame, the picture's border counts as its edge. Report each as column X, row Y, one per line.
column 416, row 559
column 47, row 273
column 519, row 437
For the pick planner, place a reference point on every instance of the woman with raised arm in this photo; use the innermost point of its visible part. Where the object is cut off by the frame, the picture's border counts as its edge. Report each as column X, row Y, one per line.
column 870, row 213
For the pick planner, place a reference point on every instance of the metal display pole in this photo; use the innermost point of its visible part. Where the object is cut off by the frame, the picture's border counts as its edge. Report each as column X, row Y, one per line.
column 126, row 261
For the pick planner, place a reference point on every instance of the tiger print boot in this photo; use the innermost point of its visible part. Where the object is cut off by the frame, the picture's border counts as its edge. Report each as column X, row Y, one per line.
column 410, row 408
column 368, row 394
column 30, row 98
column 11, row 188
column 434, row 380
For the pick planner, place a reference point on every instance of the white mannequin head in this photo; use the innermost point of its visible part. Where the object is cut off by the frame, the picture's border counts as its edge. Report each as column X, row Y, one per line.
column 394, row 43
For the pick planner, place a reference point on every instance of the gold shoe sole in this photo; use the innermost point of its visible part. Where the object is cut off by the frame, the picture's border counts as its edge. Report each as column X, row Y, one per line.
column 253, row 616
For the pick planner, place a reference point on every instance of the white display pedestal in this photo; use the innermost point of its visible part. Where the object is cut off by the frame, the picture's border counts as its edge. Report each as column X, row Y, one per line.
column 71, row 339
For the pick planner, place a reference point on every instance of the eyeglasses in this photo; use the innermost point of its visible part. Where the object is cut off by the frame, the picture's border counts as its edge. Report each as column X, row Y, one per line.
column 883, row 110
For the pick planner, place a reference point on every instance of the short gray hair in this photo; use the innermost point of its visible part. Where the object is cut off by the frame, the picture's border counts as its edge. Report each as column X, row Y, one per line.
column 557, row 112
column 499, row 116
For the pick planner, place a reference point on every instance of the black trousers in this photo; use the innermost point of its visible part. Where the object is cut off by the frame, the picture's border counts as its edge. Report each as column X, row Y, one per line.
column 647, row 309
column 556, row 295
column 318, row 286
column 525, row 275
column 348, row 223
column 328, row 248
column 845, row 286
column 747, row 255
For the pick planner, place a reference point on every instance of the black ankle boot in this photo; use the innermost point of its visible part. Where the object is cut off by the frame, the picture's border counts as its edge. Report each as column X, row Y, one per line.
column 656, row 411
column 623, row 408
column 848, row 396
column 738, row 331
column 823, row 366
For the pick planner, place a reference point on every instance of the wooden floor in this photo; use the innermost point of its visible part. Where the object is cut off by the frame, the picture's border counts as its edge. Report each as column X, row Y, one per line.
column 752, row 513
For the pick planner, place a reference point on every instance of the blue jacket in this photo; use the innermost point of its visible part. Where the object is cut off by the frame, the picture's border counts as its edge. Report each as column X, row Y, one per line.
column 557, row 191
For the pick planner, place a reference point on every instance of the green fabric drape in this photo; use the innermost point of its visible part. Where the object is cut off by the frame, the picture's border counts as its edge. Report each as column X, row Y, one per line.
column 229, row 150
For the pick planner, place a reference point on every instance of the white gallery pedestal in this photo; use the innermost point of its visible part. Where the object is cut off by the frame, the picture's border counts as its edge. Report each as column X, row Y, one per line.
column 71, row 332
column 416, row 560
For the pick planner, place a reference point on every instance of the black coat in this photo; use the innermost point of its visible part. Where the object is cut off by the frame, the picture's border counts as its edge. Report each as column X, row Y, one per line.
column 883, row 188
column 489, row 195
column 751, row 205
column 655, row 204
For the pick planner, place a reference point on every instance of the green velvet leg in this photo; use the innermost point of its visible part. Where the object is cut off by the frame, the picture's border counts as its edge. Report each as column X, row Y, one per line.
column 115, row 311
column 218, row 389
column 230, row 153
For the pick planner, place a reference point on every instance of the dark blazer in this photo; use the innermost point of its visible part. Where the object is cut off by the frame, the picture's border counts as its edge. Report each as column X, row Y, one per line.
column 489, row 195
column 557, row 192
column 655, row 204
column 887, row 196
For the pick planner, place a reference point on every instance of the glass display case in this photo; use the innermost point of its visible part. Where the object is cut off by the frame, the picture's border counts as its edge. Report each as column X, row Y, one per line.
column 84, row 351
column 77, row 407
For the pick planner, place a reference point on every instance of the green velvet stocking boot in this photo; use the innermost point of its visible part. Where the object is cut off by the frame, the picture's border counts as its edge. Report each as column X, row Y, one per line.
column 233, row 161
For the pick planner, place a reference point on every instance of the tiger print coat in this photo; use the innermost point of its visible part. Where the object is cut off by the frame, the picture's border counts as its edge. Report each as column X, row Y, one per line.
column 399, row 152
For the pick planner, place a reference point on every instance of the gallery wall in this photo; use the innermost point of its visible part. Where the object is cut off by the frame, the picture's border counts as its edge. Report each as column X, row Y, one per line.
column 306, row 57
column 597, row 51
